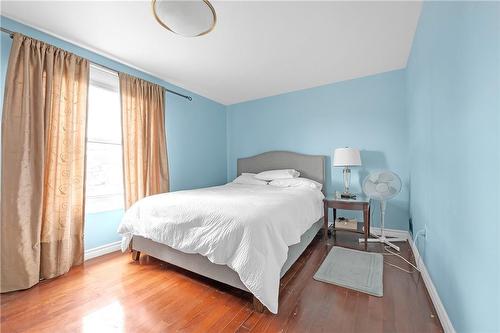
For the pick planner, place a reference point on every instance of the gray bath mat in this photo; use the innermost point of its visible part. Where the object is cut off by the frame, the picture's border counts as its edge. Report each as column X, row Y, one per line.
column 358, row 270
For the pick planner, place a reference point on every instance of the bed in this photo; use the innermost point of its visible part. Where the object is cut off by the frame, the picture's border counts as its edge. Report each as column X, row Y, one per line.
column 240, row 235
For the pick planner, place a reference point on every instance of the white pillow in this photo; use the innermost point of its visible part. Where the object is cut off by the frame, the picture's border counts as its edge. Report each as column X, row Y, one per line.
column 293, row 182
column 249, row 179
column 278, row 174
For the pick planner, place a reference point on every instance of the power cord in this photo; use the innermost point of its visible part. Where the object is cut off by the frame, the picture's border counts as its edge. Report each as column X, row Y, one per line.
column 391, row 253
column 386, row 248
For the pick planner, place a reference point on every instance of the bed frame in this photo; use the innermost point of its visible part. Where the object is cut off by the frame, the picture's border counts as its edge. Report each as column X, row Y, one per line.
column 309, row 166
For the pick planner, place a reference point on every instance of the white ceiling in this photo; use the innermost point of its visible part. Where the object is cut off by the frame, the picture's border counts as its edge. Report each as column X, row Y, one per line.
column 257, row 49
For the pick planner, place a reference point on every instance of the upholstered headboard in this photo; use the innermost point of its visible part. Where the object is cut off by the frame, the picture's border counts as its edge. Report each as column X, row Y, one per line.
column 309, row 166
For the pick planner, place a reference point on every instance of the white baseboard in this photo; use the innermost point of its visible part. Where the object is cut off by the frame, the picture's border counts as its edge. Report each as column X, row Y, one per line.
column 438, row 305
column 101, row 250
column 391, row 232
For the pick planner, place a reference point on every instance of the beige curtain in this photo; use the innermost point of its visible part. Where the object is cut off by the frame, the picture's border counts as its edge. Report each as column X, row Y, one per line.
column 43, row 147
column 145, row 163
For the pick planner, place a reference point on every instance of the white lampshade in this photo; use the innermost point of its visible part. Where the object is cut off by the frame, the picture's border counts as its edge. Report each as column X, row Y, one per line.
column 346, row 157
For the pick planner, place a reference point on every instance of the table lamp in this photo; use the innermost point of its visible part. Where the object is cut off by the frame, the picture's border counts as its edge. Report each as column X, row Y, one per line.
column 347, row 157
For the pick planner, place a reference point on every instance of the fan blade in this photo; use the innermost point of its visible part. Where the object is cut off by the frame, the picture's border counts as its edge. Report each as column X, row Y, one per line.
column 393, row 190
column 370, row 188
column 386, row 177
column 382, row 188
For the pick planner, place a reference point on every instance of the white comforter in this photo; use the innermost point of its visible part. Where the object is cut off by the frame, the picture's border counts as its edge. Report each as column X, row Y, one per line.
column 246, row 227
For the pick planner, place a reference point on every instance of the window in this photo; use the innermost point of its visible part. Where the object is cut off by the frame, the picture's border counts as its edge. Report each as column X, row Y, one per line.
column 104, row 170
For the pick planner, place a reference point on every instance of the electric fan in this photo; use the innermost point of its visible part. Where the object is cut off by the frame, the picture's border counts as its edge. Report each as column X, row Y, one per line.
column 382, row 186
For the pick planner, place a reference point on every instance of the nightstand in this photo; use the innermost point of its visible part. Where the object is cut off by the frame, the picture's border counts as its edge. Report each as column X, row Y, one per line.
column 361, row 203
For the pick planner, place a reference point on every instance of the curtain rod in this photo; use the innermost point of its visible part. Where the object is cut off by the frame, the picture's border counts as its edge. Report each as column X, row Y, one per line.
column 11, row 34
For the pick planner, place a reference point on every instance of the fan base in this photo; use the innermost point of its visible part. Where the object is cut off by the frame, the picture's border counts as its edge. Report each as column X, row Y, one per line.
column 385, row 240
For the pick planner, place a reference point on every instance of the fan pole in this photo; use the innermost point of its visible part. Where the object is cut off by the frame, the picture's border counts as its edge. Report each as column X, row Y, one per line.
column 383, row 205
column 382, row 238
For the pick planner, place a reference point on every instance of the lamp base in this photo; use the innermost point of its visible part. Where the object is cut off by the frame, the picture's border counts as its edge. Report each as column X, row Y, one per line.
column 347, row 196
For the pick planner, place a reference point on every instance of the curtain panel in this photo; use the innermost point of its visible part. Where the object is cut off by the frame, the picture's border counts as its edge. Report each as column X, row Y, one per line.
column 145, row 165
column 43, row 162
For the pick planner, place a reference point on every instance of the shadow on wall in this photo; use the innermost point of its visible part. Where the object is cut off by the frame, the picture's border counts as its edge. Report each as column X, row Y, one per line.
column 371, row 161
column 329, row 185
column 395, row 211
column 396, row 208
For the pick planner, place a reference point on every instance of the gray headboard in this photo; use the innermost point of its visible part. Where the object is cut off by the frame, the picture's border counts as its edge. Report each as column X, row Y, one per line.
column 309, row 166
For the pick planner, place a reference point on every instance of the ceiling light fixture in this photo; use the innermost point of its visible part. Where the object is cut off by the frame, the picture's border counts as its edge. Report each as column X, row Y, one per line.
column 188, row 18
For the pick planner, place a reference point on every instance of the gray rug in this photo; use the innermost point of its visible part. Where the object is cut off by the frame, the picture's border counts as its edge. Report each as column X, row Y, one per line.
column 358, row 270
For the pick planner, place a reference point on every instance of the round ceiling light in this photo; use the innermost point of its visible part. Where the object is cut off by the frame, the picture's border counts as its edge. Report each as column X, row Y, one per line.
column 188, row 18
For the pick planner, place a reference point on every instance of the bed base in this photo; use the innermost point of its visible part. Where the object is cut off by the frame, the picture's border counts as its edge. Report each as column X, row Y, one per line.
column 201, row 265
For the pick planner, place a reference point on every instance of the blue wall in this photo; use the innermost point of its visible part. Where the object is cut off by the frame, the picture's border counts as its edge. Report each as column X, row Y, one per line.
column 453, row 79
column 100, row 228
column 368, row 113
column 196, row 133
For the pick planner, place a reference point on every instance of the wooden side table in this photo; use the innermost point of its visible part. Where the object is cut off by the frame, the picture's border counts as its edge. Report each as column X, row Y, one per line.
column 360, row 203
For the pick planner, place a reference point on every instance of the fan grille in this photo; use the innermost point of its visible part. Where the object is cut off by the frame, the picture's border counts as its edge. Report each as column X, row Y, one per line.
column 382, row 185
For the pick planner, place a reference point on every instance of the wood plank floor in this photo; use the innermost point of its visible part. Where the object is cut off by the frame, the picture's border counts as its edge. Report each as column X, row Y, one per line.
column 114, row 294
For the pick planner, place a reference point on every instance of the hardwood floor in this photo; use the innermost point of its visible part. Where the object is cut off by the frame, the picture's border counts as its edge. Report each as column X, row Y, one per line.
column 114, row 294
